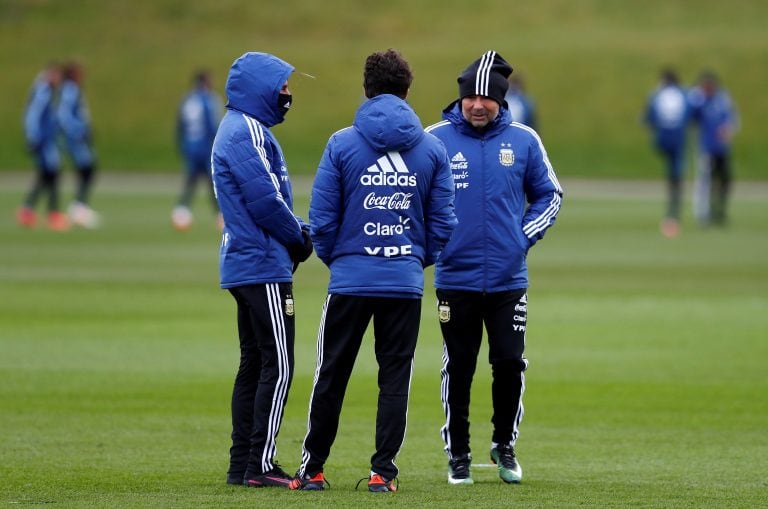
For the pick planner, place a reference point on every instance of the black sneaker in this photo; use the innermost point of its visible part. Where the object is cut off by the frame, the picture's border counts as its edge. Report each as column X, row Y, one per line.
column 275, row 477
column 236, row 479
column 509, row 469
column 459, row 471
column 307, row 482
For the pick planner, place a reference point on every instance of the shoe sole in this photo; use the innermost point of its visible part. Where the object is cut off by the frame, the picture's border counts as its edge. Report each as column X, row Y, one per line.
column 272, row 482
column 379, row 489
column 458, row 482
column 311, row 487
column 514, row 480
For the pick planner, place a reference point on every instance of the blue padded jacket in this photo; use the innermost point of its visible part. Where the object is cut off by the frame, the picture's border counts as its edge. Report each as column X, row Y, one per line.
column 251, row 179
column 382, row 202
column 507, row 195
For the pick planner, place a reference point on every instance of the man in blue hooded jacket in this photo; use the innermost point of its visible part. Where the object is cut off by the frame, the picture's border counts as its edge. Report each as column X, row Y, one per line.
column 666, row 114
column 381, row 210
column 261, row 244
column 714, row 111
column 507, row 195
column 75, row 123
column 197, row 120
column 40, row 132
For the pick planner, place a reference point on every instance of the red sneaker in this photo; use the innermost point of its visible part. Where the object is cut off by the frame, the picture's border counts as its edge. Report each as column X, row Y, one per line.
column 316, row 482
column 26, row 217
column 380, row 484
column 58, row 221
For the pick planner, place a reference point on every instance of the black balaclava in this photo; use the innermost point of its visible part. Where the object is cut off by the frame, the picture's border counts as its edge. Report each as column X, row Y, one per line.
column 284, row 102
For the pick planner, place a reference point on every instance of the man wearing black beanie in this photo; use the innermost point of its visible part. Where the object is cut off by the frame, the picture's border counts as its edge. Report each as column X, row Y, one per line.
column 507, row 196
column 486, row 76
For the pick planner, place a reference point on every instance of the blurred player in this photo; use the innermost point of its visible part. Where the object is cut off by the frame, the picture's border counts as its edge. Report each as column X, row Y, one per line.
column 714, row 112
column 262, row 243
column 381, row 210
column 197, row 120
column 507, row 196
column 666, row 114
column 40, row 134
column 520, row 105
column 75, row 123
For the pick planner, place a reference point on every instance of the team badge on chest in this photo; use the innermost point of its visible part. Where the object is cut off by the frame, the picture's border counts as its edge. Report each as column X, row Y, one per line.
column 506, row 156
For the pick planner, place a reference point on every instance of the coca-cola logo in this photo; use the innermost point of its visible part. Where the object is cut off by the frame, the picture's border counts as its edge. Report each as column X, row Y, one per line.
column 394, row 201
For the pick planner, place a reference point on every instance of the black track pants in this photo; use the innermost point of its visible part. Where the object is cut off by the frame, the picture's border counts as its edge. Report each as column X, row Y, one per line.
column 265, row 323
column 396, row 328
column 462, row 317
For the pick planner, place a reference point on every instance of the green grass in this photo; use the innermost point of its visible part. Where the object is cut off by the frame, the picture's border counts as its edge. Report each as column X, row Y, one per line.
column 646, row 385
column 588, row 64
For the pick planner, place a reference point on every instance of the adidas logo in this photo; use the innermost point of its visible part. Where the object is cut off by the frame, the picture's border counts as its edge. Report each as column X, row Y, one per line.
column 459, row 162
column 389, row 170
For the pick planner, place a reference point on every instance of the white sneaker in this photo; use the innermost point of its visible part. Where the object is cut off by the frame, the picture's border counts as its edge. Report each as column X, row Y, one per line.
column 459, row 470
column 82, row 215
column 181, row 217
column 506, row 460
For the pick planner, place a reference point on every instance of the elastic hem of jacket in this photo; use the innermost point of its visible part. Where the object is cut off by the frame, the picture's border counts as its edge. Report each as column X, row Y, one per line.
column 226, row 286
column 374, row 293
column 495, row 289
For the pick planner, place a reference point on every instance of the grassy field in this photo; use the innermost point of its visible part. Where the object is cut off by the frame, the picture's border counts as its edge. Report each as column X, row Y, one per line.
column 589, row 65
column 646, row 386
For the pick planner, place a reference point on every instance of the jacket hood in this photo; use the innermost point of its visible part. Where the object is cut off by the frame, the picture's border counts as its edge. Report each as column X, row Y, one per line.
column 453, row 114
column 254, row 83
column 388, row 123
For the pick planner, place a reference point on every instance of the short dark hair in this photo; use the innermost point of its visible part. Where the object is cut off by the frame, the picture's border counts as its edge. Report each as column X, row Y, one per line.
column 669, row 76
column 709, row 76
column 72, row 71
column 387, row 73
column 202, row 77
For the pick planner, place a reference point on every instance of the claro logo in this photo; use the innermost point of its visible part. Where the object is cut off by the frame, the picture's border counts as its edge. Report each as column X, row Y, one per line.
column 389, row 170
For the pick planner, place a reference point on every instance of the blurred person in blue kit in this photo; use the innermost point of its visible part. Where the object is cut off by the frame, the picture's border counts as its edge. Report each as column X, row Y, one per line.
column 381, row 211
column 75, row 124
column 666, row 115
column 714, row 112
column 196, row 123
column 507, row 197
column 40, row 129
column 521, row 107
column 262, row 244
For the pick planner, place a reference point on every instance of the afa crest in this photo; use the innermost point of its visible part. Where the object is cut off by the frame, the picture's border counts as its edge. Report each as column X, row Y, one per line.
column 506, row 155
column 444, row 313
column 289, row 307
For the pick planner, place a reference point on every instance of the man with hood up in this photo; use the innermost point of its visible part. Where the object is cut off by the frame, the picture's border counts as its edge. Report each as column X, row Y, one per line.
column 507, row 196
column 381, row 210
column 262, row 243
column 40, row 132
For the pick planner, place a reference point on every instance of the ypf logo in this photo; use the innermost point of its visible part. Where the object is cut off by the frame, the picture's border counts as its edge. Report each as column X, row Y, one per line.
column 389, row 251
column 389, row 170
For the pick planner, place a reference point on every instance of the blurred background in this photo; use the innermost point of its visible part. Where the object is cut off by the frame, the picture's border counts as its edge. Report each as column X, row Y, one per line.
column 588, row 65
column 648, row 356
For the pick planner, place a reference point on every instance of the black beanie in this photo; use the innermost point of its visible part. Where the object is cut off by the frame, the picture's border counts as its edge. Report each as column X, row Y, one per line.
column 486, row 76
